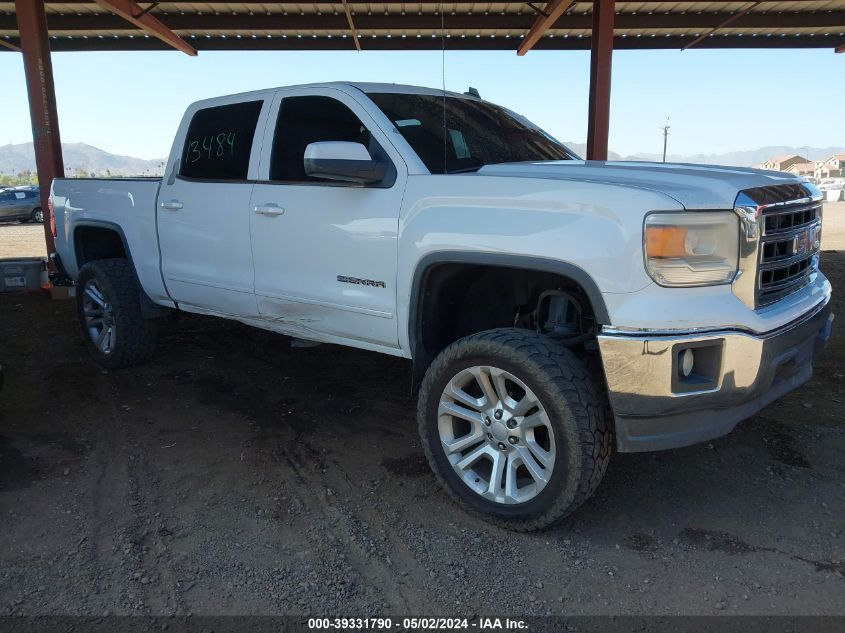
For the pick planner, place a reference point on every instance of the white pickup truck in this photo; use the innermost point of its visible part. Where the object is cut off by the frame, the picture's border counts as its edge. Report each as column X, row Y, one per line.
column 553, row 308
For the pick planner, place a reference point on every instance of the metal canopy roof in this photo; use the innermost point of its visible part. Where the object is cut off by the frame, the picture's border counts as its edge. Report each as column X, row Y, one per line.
column 86, row 25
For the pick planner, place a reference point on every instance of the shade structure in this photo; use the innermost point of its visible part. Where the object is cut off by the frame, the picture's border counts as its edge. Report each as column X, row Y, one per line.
column 86, row 25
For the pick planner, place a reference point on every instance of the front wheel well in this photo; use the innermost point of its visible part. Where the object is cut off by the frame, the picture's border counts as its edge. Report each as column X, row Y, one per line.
column 457, row 299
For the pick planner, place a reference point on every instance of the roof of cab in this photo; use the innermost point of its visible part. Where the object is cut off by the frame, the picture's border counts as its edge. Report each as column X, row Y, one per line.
column 365, row 87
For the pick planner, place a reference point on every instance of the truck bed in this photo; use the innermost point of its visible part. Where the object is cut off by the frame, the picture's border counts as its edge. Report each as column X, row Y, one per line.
column 124, row 205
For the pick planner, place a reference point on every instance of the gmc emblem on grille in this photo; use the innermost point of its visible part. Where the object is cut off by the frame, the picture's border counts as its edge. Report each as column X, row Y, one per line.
column 802, row 243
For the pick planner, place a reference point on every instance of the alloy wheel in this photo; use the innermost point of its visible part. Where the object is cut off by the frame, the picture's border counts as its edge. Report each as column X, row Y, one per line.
column 99, row 317
column 496, row 434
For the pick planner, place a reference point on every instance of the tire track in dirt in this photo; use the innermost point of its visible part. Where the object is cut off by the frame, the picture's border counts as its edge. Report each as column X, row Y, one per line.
column 363, row 555
column 277, row 428
column 140, row 556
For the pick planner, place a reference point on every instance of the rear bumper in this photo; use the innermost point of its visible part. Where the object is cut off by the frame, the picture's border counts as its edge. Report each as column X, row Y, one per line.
column 735, row 375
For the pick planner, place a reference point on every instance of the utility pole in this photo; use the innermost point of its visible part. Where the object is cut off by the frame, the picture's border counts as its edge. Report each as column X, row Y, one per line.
column 665, row 129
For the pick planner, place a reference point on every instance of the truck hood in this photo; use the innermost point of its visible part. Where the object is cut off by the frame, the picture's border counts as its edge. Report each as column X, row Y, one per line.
column 693, row 186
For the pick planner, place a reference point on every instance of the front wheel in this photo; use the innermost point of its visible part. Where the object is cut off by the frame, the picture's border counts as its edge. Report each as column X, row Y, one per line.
column 514, row 427
column 108, row 301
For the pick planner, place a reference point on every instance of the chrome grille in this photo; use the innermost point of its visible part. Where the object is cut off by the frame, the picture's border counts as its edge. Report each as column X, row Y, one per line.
column 789, row 246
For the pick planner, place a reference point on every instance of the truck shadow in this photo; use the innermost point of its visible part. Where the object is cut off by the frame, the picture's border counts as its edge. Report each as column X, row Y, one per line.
column 338, row 401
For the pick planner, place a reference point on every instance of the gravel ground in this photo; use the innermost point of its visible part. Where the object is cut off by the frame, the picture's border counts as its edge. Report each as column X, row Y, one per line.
column 833, row 234
column 236, row 475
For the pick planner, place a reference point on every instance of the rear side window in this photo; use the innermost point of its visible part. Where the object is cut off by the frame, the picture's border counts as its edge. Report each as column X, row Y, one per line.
column 219, row 142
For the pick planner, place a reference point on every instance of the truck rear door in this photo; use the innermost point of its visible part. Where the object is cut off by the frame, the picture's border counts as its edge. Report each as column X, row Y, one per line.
column 203, row 206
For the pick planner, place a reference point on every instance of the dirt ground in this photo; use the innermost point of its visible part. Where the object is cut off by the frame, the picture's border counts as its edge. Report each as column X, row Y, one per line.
column 21, row 240
column 833, row 232
column 236, row 475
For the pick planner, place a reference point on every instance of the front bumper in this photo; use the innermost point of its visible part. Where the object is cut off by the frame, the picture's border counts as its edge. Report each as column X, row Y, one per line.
column 735, row 375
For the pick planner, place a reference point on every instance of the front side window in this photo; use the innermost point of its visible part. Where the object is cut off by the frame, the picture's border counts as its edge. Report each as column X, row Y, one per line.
column 305, row 120
column 219, row 142
column 454, row 135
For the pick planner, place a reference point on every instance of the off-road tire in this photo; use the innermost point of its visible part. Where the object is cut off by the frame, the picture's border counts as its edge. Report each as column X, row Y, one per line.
column 135, row 335
column 573, row 399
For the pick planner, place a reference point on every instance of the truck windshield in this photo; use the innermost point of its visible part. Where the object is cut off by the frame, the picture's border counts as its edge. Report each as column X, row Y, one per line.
column 468, row 135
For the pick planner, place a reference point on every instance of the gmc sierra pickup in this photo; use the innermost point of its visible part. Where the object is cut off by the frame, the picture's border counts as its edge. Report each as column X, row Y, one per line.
column 553, row 308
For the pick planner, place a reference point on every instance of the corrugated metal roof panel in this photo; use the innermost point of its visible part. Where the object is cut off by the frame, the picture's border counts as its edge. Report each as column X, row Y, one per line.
column 778, row 23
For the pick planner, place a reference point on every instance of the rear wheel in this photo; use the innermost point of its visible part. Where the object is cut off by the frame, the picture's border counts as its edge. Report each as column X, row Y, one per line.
column 514, row 427
column 109, row 307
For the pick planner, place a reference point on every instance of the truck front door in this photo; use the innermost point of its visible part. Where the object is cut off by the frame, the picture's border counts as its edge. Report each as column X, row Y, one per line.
column 203, row 206
column 325, row 252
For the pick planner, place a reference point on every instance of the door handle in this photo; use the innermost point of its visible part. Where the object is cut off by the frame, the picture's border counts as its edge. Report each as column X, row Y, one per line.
column 171, row 205
column 268, row 210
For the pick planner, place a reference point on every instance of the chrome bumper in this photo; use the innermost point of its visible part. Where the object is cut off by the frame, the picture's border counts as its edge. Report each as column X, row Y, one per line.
column 736, row 374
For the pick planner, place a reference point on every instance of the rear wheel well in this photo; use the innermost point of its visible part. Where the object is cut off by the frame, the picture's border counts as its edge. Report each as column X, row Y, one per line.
column 455, row 300
column 96, row 242
column 93, row 243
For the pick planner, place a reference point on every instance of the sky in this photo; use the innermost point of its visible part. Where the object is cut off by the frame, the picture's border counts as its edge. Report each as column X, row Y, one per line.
column 130, row 103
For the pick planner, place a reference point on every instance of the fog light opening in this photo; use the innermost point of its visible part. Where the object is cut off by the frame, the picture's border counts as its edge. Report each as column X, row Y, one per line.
column 686, row 361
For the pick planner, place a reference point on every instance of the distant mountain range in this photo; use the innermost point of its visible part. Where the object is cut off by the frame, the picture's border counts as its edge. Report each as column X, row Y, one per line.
column 81, row 158
column 742, row 158
column 747, row 158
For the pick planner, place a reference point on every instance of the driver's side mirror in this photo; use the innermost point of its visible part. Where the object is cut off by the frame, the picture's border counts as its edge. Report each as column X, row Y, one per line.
column 343, row 161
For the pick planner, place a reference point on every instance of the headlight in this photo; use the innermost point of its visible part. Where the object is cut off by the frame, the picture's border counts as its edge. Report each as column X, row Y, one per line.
column 698, row 248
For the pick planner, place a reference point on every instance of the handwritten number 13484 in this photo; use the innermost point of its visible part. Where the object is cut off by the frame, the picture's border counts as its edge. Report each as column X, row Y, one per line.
column 211, row 147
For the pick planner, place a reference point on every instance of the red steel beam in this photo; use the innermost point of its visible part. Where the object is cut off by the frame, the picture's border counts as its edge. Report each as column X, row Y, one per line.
column 38, row 69
column 131, row 12
column 545, row 20
column 601, row 57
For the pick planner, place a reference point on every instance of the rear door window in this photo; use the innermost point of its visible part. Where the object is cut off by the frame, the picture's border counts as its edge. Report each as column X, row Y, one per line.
column 219, row 142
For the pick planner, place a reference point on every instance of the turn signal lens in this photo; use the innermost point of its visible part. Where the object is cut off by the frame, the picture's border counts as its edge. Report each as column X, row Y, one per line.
column 665, row 241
